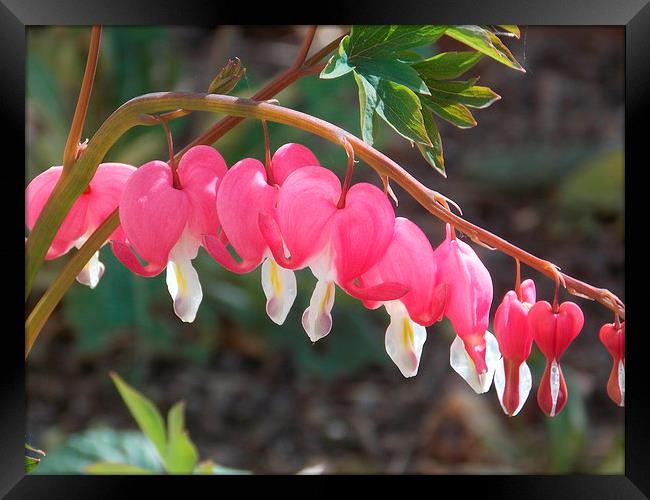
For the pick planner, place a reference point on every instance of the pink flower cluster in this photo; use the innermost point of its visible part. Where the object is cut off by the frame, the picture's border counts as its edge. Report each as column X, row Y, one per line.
column 294, row 214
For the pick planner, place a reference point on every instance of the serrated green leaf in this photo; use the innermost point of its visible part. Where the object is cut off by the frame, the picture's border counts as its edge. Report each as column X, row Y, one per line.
column 181, row 455
column 338, row 64
column 394, row 71
column 144, row 413
column 455, row 113
column 485, row 42
column 400, row 107
column 433, row 154
column 114, row 468
column 511, row 28
column 473, row 97
column 447, row 65
column 31, row 463
column 387, row 40
column 367, row 106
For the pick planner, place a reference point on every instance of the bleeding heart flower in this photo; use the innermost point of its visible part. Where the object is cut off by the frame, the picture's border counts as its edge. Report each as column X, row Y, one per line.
column 164, row 223
column 613, row 338
column 246, row 192
column 474, row 352
column 339, row 244
column 553, row 333
column 512, row 378
column 408, row 260
column 88, row 212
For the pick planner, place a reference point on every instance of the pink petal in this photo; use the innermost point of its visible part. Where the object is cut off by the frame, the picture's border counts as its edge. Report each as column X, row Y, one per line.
column 74, row 224
column 105, row 191
column 361, row 231
column 511, row 328
column 552, row 394
column 409, row 260
column 200, row 171
column 306, row 203
column 244, row 193
column 554, row 332
column 289, row 158
column 125, row 255
column 613, row 339
column 153, row 213
column 470, row 286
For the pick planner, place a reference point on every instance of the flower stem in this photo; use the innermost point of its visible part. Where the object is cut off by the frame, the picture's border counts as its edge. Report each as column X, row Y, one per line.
column 267, row 154
column 76, row 129
column 129, row 115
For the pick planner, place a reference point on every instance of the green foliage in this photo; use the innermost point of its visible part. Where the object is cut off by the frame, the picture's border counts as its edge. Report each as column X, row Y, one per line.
column 403, row 89
column 154, row 451
column 102, row 445
column 31, row 461
column 144, row 412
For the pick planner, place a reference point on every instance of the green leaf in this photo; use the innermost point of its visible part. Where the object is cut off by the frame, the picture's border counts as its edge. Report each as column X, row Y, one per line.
column 394, row 71
column 367, row 106
column 114, row 468
column 454, row 86
column 387, row 40
column 474, row 97
column 144, row 412
column 486, row 42
column 227, row 78
column 447, row 65
column 513, row 29
column 338, row 64
column 455, row 113
column 409, row 56
column 400, row 107
column 100, row 445
column 181, row 456
column 433, row 154
column 31, row 463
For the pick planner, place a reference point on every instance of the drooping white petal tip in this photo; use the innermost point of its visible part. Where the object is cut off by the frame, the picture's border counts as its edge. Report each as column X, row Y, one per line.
column 317, row 318
column 404, row 339
column 280, row 289
column 462, row 363
column 92, row 272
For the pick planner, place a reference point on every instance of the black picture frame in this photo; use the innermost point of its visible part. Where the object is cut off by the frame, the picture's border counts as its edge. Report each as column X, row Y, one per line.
column 634, row 15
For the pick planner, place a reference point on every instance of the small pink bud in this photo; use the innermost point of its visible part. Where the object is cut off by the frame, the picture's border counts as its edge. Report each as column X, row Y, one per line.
column 613, row 338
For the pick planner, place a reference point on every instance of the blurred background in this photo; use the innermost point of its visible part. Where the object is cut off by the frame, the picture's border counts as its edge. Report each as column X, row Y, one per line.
column 543, row 169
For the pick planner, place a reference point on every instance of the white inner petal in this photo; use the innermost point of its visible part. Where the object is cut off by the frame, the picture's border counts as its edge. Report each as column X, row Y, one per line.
column 182, row 279
column 525, row 384
column 621, row 381
column 92, row 272
column 279, row 286
column 404, row 339
column 317, row 318
column 554, row 380
column 462, row 363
